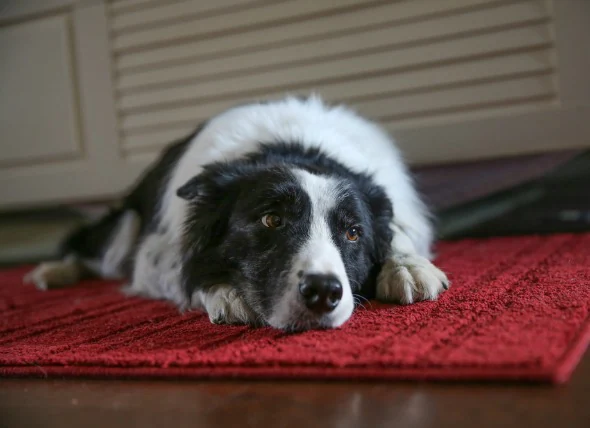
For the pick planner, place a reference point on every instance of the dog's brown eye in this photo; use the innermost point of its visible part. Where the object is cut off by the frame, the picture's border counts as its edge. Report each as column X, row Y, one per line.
column 353, row 234
column 272, row 221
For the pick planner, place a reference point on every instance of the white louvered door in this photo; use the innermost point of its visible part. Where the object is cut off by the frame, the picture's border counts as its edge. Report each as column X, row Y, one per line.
column 451, row 79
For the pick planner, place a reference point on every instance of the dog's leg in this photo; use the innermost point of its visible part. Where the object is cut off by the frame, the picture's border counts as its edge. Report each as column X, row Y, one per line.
column 156, row 271
column 406, row 276
column 113, row 236
column 58, row 274
column 157, row 274
column 121, row 246
column 224, row 305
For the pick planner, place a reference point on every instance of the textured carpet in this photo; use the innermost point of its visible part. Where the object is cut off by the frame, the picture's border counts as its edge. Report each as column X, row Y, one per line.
column 518, row 309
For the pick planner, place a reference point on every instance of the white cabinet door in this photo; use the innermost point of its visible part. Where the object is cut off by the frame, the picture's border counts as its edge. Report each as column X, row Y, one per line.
column 58, row 137
column 38, row 115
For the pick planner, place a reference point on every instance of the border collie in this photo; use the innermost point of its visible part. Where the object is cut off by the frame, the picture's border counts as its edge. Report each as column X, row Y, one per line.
column 282, row 213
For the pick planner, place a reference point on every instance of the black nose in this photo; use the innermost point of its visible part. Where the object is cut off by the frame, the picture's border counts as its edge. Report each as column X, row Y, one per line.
column 321, row 293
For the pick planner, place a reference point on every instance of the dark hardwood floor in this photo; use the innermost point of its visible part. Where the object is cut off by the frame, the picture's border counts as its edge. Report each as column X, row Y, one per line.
column 114, row 404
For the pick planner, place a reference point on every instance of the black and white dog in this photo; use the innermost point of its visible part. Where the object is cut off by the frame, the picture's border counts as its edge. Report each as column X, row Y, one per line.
column 278, row 213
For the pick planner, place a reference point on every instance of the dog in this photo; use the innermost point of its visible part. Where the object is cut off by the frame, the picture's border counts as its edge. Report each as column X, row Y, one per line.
column 281, row 213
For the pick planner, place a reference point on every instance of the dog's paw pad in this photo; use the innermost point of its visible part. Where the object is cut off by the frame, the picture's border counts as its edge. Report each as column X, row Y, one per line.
column 410, row 278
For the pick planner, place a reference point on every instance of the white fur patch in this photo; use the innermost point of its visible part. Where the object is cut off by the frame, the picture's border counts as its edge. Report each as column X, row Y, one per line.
column 121, row 245
column 156, row 272
column 319, row 255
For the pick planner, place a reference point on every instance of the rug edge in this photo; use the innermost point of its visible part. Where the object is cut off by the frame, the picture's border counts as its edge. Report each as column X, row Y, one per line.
column 278, row 373
column 572, row 357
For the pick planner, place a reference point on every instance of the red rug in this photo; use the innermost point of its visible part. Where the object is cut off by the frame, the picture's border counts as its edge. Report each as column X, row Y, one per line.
column 518, row 310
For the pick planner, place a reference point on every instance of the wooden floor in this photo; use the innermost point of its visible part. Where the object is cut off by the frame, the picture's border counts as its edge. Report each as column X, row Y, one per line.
column 176, row 404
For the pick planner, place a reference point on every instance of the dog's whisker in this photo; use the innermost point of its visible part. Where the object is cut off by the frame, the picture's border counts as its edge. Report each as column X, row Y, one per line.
column 357, row 298
column 357, row 301
column 361, row 305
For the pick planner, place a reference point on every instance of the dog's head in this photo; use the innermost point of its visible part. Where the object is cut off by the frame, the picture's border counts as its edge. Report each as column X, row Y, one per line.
column 296, row 241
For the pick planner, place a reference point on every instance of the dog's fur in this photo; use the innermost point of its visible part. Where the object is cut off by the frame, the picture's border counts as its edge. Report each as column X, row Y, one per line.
column 196, row 231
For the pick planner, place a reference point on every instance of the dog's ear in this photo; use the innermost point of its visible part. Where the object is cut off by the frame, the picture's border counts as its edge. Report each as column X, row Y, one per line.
column 191, row 189
column 214, row 178
column 211, row 199
column 212, row 195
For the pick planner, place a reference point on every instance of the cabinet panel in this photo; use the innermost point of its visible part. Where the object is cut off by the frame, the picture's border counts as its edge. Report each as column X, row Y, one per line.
column 58, row 127
column 39, row 118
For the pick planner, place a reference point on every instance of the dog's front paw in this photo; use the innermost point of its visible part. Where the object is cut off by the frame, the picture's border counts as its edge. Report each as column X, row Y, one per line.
column 225, row 306
column 409, row 278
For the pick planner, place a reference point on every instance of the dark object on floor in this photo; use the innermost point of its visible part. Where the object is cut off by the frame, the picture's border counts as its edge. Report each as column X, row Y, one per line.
column 518, row 309
column 451, row 185
column 559, row 202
